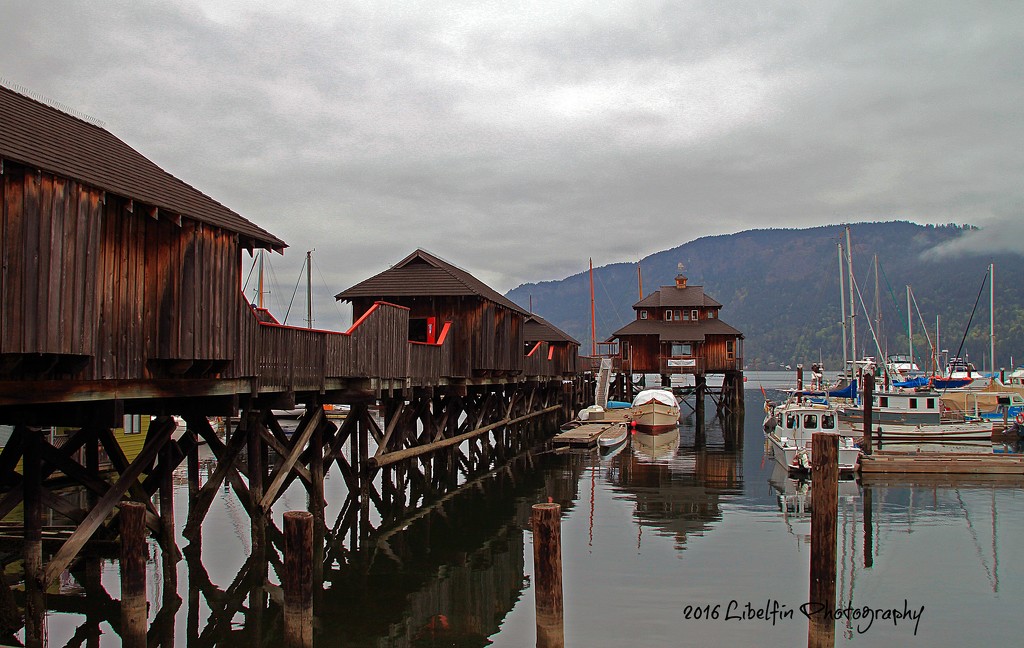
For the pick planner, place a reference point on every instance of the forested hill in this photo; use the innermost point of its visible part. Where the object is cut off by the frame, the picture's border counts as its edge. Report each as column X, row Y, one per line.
column 780, row 287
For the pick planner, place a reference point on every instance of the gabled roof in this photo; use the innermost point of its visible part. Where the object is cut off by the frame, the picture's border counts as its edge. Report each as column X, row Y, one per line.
column 677, row 331
column 42, row 137
column 673, row 297
column 421, row 274
column 538, row 329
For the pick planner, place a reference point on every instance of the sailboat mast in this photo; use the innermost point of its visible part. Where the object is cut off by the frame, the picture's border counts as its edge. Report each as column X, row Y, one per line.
column 309, row 290
column 593, row 318
column 910, row 329
column 992, row 314
column 842, row 306
column 878, row 305
column 853, row 304
column 259, row 296
column 640, row 280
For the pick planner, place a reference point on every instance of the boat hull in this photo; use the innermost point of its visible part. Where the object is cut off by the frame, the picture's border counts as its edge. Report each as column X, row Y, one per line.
column 797, row 458
column 653, row 417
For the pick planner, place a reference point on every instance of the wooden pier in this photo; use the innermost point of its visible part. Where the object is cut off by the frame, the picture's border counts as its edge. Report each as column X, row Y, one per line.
column 121, row 298
column 948, row 463
column 587, row 434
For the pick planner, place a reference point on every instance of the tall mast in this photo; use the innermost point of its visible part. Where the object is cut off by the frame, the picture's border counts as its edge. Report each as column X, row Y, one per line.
column 992, row 314
column 593, row 319
column 640, row 280
column 910, row 330
column 878, row 304
column 853, row 305
column 309, row 291
column 842, row 306
column 259, row 297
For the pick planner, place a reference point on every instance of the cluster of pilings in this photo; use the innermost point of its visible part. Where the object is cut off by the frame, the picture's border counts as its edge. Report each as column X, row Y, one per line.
column 395, row 455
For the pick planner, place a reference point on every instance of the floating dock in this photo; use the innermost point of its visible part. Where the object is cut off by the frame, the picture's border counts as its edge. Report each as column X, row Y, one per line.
column 585, row 434
column 948, row 463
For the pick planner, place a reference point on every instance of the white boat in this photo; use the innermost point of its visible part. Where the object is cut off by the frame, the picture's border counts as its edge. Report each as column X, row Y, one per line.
column 914, row 415
column 612, row 436
column 655, row 410
column 789, row 428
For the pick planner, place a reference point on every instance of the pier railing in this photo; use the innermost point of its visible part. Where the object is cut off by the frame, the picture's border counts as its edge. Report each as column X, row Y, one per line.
column 288, row 358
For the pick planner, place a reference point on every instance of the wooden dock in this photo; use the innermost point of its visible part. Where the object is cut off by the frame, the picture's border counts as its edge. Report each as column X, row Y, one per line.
column 585, row 434
column 949, row 463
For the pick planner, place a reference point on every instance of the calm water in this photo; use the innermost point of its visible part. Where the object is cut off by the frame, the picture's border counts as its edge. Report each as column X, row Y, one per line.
column 651, row 535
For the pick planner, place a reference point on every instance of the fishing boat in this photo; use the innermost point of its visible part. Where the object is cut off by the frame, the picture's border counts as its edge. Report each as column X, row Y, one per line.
column 789, row 428
column 915, row 415
column 655, row 410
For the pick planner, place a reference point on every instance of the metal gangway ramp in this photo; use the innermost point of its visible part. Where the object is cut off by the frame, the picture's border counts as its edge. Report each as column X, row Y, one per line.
column 604, row 377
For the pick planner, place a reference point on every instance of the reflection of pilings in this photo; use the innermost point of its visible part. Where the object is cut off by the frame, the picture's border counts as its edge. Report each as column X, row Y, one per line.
column 824, row 514
column 868, row 544
column 35, row 603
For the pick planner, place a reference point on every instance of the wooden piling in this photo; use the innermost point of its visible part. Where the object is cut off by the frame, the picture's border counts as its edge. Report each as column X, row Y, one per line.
column 869, row 389
column 799, row 377
column 133, row 574
column 298, row 579
column 547, row 570
column 824, row 514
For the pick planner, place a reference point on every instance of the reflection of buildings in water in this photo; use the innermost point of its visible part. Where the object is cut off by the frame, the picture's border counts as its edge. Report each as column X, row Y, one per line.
column 677, row 490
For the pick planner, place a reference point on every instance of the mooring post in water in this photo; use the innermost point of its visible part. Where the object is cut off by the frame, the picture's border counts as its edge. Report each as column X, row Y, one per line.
column 799, row 377
column 869, row 389
column 133, row 574
column 547, row 573
column 824, row 514
column 298, row 579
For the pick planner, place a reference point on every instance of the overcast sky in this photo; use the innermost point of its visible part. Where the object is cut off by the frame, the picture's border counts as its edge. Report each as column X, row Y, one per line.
column 519, row 139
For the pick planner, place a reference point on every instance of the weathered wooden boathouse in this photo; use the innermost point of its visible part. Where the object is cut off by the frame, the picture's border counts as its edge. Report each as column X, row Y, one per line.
column 120, row 294
column 678, row 331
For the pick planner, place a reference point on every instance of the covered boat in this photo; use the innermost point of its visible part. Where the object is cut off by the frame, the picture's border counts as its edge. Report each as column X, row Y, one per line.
column 655, row 410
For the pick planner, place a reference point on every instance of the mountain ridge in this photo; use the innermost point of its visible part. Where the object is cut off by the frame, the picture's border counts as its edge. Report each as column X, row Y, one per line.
column 780, row 287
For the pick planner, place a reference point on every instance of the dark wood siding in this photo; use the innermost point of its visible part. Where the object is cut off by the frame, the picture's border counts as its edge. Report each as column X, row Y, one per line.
column 95, row 275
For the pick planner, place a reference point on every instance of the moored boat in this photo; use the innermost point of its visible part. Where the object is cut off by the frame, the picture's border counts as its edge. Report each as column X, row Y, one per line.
column 655, row 410
column 789, row 428
column 914, row 415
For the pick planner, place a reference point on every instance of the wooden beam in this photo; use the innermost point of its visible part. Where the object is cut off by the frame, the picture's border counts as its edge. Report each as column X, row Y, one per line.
column 399, row 455
column 225, row 466
column 392, row 424
column 307, row 425
column 108, row 502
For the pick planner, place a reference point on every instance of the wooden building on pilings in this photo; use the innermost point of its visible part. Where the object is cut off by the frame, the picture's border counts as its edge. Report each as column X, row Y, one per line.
column 678, row 331
column 120, row 294
column 547, row 342
column 485, row 327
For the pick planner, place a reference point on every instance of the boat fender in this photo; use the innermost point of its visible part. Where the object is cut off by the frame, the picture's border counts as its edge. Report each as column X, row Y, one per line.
column 1020, row 418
